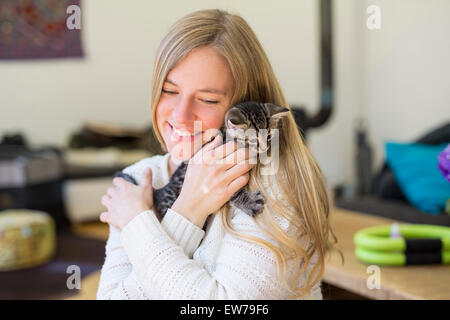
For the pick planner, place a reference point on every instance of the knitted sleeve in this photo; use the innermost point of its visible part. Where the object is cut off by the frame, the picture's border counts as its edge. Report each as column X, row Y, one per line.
column 118, row 279
column 244, row 270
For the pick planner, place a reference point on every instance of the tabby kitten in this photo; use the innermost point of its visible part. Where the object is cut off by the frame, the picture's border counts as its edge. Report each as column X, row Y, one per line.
column 240, row 118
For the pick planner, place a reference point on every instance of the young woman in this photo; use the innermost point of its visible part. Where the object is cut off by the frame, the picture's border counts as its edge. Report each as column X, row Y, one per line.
column 203, row 248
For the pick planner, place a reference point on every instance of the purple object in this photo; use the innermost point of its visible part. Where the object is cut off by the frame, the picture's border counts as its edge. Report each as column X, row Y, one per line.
column 444, row 162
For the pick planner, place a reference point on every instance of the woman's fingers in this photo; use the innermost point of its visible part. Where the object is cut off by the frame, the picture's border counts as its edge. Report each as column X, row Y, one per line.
column 238, row 183
column 104, row 217
column 205, row 153
column 213, row 144
column 106, row 200
column 110, row 191
column 238, row 170
column 224, row 150
column 236, row 157
column 119, row 182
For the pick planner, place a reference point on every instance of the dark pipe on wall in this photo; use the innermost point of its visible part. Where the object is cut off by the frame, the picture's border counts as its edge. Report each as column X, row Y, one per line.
column 304, row 121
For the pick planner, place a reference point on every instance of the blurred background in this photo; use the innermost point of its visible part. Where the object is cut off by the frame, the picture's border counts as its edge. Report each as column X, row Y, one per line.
column 75, row 104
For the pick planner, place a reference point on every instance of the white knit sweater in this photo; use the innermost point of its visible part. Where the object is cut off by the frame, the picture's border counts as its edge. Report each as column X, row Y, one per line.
column 175, row 259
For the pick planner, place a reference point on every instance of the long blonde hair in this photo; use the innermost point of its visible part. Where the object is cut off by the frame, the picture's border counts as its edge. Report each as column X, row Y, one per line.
column 303, row 200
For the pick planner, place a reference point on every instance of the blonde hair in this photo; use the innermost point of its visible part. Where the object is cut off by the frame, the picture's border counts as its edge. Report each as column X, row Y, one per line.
column 304, row 200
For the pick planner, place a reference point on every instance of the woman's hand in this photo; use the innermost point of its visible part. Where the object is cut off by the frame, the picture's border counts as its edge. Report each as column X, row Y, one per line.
column 126, row 200
column 213, row 175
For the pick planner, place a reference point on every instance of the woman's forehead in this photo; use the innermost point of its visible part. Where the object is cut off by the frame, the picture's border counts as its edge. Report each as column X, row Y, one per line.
column 204, row 69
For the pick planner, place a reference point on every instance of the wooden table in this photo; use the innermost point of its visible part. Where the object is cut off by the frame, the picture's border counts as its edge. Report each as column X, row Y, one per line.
column 411, row 282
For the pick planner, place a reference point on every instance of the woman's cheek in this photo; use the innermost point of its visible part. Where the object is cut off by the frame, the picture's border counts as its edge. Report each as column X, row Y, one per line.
column 212, row 119
column 163, row 111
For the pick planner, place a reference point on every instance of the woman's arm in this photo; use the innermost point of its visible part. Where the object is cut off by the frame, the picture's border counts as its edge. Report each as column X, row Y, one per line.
column 220, row 180
column 244, row 270
column 117, row 280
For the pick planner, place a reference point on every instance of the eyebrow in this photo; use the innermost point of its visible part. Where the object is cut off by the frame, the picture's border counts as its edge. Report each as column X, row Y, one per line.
column 208, row 90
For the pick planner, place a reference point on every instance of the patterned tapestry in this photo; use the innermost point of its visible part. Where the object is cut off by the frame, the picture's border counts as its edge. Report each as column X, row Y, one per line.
column 31, row 29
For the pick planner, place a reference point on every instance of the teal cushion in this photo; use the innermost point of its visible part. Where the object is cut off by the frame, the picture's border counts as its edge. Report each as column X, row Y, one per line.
column 415, row 168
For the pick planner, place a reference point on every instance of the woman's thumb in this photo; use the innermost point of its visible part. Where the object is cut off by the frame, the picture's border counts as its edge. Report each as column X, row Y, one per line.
column 147, row 179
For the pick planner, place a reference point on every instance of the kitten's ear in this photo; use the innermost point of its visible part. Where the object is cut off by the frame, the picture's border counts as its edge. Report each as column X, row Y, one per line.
column 276, row 114
column 231, row 125
column 276, row 111
column 235, row 119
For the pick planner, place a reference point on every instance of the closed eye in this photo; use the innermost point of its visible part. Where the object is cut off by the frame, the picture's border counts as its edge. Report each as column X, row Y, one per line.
column 174, row 92
column 210, row 101
column 169, row 92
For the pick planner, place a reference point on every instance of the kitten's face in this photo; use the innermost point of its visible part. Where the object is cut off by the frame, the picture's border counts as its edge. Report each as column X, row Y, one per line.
column 261, row 117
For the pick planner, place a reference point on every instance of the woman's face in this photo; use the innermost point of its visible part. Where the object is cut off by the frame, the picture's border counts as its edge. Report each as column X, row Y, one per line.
column 198, row 90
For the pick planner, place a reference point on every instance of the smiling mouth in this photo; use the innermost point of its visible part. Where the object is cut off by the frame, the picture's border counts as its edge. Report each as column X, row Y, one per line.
column 178, row 135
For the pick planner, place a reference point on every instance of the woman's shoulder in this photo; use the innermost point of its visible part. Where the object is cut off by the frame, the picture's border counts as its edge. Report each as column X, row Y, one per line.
column 158, row 164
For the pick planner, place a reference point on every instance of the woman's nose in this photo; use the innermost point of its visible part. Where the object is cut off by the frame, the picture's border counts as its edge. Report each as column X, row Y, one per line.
column 184, row 111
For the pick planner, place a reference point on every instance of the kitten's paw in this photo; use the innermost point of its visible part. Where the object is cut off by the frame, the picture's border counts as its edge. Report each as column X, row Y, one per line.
column 255, row 203
column 252, row 203
column 127, row 177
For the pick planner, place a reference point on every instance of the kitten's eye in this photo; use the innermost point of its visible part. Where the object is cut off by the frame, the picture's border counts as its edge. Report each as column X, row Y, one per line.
column 168, row 91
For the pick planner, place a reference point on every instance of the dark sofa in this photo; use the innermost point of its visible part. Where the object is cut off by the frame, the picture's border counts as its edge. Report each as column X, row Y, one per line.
column 386, row 198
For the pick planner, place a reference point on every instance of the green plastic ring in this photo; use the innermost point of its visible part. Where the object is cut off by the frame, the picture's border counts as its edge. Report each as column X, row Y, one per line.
column 390, row 258
column 377, row 238
column 416, row 244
